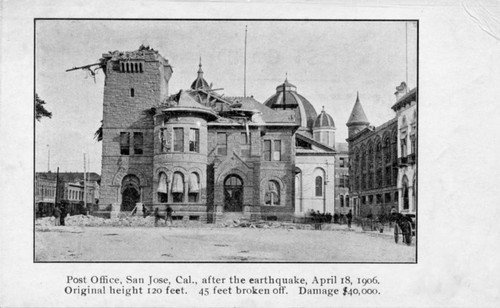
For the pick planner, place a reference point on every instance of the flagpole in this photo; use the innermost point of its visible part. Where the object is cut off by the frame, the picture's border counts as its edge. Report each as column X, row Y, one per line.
column 245, row 67
column 406, row 39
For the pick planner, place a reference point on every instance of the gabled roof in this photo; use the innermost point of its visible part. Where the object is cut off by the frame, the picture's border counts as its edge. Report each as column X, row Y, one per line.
column 358, row 115
column 311, row 141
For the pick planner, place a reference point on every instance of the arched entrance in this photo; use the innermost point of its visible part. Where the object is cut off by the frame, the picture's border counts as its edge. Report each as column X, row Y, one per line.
column 130, row 192
column 233, row 193
column 406, row 200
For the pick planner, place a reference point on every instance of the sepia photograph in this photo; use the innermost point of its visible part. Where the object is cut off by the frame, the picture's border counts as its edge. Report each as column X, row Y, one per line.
column 195, row 140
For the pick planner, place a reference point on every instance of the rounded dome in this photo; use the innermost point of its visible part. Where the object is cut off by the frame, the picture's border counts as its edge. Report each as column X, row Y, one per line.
column 324, row 120
column 286, row 97
column 200, row 82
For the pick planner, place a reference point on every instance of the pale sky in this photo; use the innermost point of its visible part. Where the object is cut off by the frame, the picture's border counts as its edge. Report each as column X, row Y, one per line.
column 328, row 61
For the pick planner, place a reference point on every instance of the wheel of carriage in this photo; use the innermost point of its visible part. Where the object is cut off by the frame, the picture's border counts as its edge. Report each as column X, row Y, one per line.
column 406, row 232
column 396, row 233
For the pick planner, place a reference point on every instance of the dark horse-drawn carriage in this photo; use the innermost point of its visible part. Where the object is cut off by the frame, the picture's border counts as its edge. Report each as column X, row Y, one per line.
column 405, row 226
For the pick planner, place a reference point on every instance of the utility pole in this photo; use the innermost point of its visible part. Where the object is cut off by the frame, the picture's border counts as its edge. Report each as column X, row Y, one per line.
column 56, row 201
column 84, row 182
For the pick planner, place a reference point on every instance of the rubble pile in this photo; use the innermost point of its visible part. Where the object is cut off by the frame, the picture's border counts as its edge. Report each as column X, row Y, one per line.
column 93, row 221
column 263, row 224
column 45, row 221
column 125, row 220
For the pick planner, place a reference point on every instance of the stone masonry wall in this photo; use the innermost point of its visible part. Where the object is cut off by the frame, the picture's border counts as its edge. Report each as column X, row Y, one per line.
column 123, row 112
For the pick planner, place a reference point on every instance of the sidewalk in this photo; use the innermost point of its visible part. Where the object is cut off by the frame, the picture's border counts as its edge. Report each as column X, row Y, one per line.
column 388, row 232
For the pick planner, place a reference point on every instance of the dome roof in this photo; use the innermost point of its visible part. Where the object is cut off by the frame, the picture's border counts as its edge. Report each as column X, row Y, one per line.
column 324, row 120
column 200, row 82
column 286, row 97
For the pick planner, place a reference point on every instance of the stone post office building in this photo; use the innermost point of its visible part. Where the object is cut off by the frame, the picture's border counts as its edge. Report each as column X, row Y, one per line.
column 208, row 155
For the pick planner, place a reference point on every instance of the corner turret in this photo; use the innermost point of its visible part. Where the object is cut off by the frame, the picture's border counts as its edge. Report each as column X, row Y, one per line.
column 357, row 120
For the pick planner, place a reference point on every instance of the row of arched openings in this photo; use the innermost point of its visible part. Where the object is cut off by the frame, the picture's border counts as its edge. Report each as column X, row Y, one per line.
column 406, row 195
column 181, row 188
column 131, row 67
column 374, row 164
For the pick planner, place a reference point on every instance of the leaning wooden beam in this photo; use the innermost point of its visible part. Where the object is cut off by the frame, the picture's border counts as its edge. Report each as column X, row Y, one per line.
column 82, row 67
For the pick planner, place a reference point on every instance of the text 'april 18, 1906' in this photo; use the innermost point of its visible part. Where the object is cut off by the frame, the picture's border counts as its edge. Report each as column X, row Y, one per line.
column 213, row 285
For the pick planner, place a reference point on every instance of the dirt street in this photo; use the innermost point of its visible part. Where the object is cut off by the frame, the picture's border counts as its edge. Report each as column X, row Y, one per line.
column 75, row 243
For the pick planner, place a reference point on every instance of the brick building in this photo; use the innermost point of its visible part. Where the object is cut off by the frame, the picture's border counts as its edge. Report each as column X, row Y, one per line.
column 376, row 166
column 207, row 155
column 373, row 169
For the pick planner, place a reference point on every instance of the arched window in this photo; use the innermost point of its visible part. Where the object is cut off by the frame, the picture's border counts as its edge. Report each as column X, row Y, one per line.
column 363, row 161
column 341, row 200
column 404, row 151
column 319, row 186
column 363, row 169
column 394, row 147
column 347, row 200
column 233, row 180
column 370, row 157
column 394, row 157
column 378, row 180
column 413, row 144
column 178, row 187
column 387, row 150
column 194, row 187
column 356, row 171
column 378, row 154
column 273, row 193
column 388, row 176
column 162, row 188
column 132, row 92
column 406, row 200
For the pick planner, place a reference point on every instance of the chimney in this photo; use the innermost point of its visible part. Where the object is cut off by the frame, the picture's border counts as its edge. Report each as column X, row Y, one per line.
column 401, row 91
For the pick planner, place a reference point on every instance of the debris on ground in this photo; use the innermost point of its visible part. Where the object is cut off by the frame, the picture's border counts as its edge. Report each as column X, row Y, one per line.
column 125, row 220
